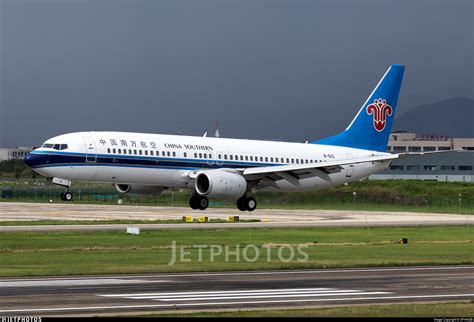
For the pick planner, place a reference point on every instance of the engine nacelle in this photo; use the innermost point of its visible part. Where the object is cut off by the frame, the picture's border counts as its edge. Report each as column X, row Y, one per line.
column 218, row 183
column 139, row 189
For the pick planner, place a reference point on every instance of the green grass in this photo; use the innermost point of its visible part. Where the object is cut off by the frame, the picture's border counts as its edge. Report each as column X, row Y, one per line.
column 463, row 309
column 64, row 253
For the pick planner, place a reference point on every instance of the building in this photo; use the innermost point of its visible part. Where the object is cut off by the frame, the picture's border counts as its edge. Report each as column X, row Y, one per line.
column 410, row 142
column 17, row 153
column 448, row 166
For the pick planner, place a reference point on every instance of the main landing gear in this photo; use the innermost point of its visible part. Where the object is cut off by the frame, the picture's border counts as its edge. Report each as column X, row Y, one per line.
column 66, row 196
column 198, row 202
column 246, row 203
column 243, row 203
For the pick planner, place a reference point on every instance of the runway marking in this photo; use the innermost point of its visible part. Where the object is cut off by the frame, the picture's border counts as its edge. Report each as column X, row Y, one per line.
column 217, row 292
column 268, row 296
column 322, row 271
column 88, row 308
column 244, row 294
column 72, row 282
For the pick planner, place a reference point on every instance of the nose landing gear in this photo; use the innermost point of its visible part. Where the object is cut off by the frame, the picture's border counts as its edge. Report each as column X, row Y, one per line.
column 66, row 196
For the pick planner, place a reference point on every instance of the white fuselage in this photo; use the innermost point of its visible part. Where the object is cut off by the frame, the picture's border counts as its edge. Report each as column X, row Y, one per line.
column 166, row 160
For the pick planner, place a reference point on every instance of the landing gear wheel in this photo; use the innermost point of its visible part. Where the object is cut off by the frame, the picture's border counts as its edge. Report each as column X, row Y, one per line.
column 203, row 203
column 241, row 204
column 193, row 202
column 250, row 203
column 66, row 196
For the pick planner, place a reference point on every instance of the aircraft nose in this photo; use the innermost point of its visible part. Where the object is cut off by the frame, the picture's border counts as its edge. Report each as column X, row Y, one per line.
column 33, row 159
column 29, row 159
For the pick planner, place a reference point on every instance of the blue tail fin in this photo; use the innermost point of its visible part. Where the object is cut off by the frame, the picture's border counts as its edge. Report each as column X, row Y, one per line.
column 370, row 129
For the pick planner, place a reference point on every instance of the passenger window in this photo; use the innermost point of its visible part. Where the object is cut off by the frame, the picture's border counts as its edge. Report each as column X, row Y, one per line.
column 231, row 157
column 113, row 150
column 292, row 160
column 271, row 159
column 205, row 155
column 146, row 152
column 119, row 151
column 185, row 154
column 261, row 159
column 297, row 161
column 140, row 152
column 195, row 155
column 174, row 154
column 108, row 150
column 168, row 153
column 236, row 157
column 210, row 156
column 246, row 158
column 135, row 152
column 266, row 159
column 151, row 152
column 200, row 155
column 225, row 156
column 241, row 158
column 129, row 151
column 287, row 160
column 251, row 158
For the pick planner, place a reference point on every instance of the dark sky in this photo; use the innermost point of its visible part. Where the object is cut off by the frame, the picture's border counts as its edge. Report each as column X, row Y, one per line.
column 284, row 70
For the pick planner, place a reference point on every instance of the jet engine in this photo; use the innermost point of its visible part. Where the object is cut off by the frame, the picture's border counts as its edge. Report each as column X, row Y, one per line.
column 219, row 183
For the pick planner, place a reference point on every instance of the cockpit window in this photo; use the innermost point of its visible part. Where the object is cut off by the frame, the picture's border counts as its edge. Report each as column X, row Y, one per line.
column 54, row 146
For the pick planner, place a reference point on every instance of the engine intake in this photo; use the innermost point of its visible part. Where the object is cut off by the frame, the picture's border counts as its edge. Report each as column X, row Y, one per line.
column 218, row 183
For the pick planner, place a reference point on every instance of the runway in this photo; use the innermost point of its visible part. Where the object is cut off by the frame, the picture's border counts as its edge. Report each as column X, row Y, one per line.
column 142, row 294
column 10, row 211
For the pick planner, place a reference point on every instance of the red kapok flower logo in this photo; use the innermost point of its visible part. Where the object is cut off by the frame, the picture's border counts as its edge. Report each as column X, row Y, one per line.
column 380, row 109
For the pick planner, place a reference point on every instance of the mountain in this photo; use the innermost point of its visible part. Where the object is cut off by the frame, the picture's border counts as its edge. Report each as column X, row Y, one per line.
column 453, row 117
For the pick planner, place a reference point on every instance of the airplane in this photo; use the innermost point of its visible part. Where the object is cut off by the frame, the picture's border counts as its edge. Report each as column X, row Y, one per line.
column 225, row 168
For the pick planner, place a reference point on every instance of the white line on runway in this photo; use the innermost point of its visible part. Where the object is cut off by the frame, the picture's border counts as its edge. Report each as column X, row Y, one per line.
column 244, row 294
column 223, row 292
column 267, row 296
column 73, row 282
column 234, row 273
column 88, row 308
column 219, row 294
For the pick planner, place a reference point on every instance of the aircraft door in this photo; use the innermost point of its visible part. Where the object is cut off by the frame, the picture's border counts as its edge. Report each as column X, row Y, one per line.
column 349, row 167
column 91, row 152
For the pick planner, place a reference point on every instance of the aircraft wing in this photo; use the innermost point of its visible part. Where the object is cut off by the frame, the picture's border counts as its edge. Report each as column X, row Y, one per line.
column 294, row 172
column 414, row 154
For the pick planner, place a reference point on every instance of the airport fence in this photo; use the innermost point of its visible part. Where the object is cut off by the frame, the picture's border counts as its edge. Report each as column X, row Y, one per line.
column 108, row 195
